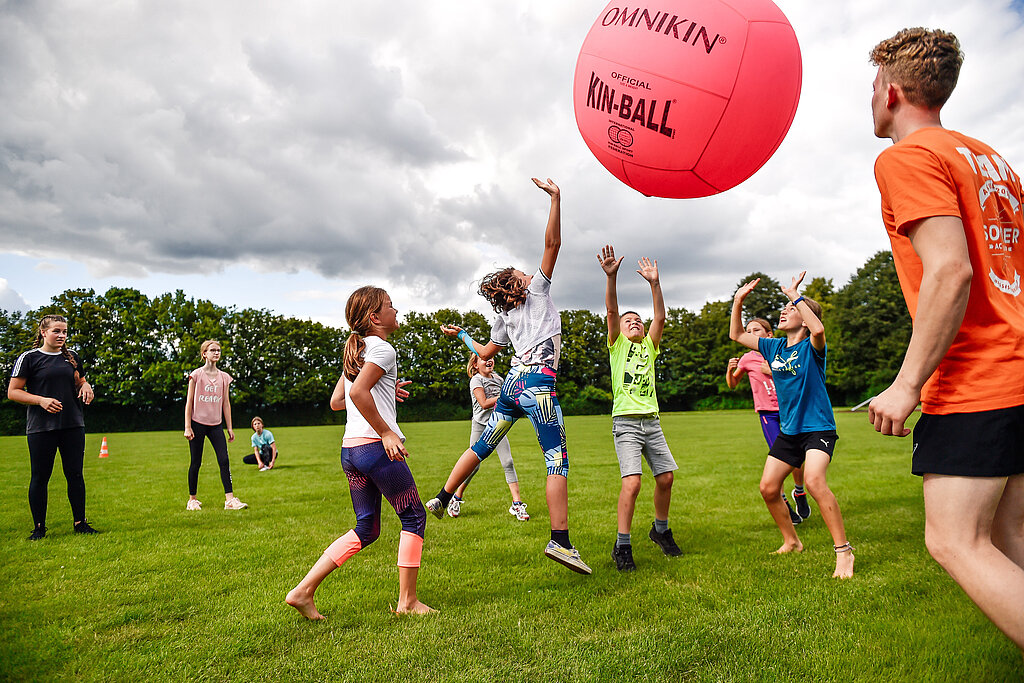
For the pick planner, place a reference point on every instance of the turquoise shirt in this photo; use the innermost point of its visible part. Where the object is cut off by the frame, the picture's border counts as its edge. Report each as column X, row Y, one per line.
column 261, row 440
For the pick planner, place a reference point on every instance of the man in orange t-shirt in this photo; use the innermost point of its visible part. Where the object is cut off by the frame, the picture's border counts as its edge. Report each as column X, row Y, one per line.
column 953, row 211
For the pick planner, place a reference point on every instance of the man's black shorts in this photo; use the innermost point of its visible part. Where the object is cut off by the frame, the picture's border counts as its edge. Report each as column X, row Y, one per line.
column 792, row 450
column 985, row 444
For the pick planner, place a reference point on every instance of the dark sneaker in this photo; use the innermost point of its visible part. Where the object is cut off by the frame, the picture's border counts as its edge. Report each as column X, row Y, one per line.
column 435, row 507
column 802, row 507
column 623, row 556
column 665, row 542
column 570, row 557
column 793, row 517
column 37, row 533
column 84, row 528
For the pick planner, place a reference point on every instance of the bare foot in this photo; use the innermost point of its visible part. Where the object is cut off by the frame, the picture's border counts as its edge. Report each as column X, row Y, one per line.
column 415, row 607
column 844, row 566
column 303, row 602
column 797, row 547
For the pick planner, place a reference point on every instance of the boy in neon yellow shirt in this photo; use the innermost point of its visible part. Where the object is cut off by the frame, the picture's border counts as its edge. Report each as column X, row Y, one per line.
column 635, row 424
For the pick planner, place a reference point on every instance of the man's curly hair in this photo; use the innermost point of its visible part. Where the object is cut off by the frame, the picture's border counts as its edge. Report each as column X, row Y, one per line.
column 503, row 290
column 925, row 64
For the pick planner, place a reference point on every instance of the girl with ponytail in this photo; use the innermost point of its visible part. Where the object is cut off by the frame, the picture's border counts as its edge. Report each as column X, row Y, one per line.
column 372, row 453
column 50, row 380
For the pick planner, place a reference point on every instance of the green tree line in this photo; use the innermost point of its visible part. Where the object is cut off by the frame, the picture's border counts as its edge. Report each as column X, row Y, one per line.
column 138, row 352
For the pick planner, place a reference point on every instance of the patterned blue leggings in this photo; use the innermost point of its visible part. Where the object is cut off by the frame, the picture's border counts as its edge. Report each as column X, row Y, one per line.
column 371, row 474
column 529, row 391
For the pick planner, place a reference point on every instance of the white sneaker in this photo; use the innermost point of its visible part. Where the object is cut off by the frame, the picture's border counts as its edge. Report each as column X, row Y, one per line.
column 454, row 507
column 264, row 468
column 570, row 557
column 518, row 510
column 234, row 504
column 193, row 504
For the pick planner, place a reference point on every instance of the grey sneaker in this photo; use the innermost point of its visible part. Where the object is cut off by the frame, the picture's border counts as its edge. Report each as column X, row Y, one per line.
column 570, row 557
column 454, row 507
column 435, row 507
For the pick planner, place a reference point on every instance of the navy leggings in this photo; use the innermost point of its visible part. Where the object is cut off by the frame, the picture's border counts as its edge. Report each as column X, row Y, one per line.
column 215, row 433
column 42, row 450
column 371, row 474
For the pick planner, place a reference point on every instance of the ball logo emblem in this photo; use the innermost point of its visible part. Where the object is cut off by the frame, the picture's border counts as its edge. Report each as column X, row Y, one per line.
column 687, row 98
column 620, row 136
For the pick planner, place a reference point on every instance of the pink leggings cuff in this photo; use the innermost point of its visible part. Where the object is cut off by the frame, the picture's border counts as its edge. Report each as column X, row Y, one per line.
column 410, row 548
column 344, row 548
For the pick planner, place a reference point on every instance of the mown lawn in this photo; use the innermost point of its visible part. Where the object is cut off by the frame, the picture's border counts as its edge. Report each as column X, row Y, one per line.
column 165, row 594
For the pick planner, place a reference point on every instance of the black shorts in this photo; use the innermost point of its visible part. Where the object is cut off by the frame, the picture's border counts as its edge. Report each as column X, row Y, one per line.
column 792, row 449
column 985, row 444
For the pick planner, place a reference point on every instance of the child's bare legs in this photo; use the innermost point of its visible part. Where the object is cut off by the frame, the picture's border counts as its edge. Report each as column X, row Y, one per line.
column 463, row 468
column 627, row 502
column 301, row 597
column 513, row 488
column 774, row 474
column 798, row 476
column 556, row 491
column 959, row 532
column 1008, row 523
column 407, row 601
column 662, row 494
column 817, row 485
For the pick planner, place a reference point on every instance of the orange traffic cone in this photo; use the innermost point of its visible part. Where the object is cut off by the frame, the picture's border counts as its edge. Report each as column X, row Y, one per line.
column 104, row 453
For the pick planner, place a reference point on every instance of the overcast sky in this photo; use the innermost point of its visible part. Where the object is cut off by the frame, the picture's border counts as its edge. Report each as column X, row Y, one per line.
column 278, row 155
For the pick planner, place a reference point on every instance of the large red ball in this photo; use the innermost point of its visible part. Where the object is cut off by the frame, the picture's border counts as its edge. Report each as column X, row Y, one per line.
column 687, row 98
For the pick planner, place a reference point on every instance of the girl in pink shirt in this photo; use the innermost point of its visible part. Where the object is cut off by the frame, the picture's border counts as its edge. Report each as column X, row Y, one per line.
column 207, row 412
column 767, row 406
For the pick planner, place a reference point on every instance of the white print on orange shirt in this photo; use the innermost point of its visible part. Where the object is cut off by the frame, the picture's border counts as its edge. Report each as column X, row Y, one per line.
column 1001, row 211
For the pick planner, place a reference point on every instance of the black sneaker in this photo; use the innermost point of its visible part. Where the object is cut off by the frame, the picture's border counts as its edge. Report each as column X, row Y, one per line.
column 802, row 507
column 793, row 517
column 623, row 556
column 665, row 542
column 84, row 528
column 37, row 533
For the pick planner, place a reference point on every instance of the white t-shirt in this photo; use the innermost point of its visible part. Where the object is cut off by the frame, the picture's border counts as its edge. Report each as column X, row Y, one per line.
column 492, row 388
column 534, row 329
column 381, row 354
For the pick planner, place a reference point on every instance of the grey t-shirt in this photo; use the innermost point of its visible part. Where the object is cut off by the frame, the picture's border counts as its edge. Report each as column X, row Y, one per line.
column 492, row 387
column 534, row 329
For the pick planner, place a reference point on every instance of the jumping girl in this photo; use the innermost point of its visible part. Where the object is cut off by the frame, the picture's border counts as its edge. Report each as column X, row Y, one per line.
column 484, row 389
column 766, row 405
column 207, row 413
column 50, row 380
column 528, row 320
column 372, row 453
column 808, row 428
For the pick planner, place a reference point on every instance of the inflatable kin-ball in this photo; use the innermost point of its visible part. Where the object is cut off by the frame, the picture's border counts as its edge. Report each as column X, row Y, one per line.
column 687, row 98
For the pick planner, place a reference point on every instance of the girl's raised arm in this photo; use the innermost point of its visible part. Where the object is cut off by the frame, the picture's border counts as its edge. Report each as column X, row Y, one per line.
column 553, row 232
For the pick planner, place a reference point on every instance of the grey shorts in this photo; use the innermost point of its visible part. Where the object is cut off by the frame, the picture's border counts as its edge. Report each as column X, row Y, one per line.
column 637, row 436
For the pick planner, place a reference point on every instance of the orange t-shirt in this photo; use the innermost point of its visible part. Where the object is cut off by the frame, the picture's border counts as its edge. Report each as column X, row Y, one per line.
column 939, row 172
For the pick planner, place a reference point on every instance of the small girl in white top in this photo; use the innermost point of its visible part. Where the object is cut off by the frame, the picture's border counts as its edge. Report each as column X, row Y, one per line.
column 484, row 389
column 372, row 453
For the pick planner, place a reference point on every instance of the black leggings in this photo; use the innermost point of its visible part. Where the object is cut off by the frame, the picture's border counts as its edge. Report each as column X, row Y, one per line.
column 42, row 450
column 220, row 447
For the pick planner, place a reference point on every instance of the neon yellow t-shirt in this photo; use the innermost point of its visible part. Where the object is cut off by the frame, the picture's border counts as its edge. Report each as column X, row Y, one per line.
column 633, row 377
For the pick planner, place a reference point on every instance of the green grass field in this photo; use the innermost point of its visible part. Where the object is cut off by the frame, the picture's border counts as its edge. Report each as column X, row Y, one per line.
column 165, row 594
